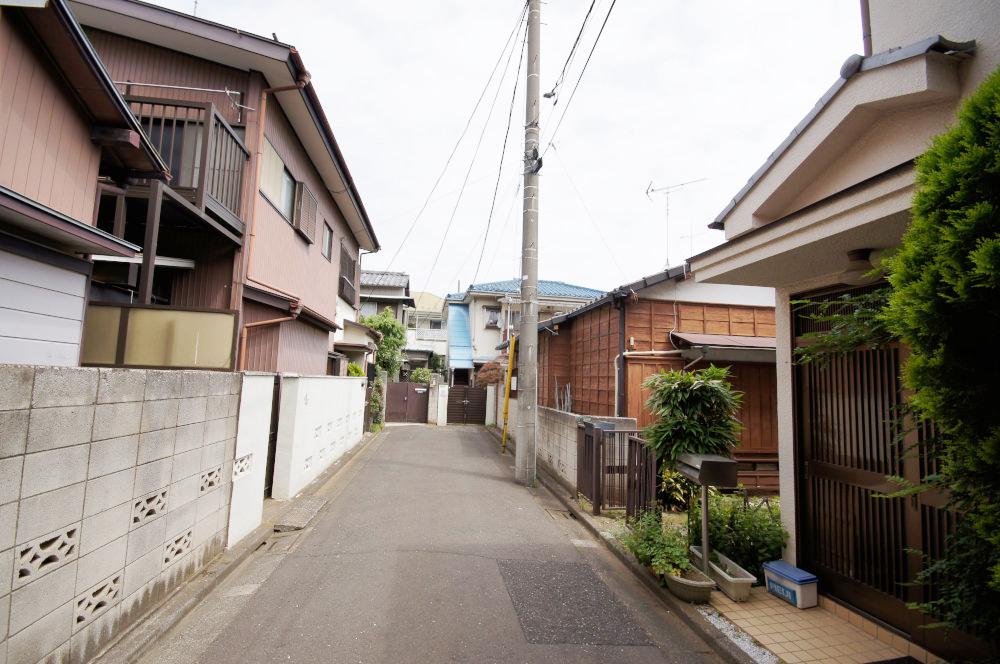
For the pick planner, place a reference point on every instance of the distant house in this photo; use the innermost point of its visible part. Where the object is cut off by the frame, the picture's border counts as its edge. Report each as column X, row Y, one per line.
column 381, row 290
column 808, row 223
column 426, row 332
column 484, row 316
column 593, row 361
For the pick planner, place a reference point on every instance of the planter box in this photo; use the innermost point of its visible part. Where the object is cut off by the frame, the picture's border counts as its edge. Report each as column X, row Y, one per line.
column 732, row 579
column 795, row 586
column 692, row 586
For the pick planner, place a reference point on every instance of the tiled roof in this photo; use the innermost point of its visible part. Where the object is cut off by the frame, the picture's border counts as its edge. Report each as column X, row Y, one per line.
column 545, row 289
column 388, row 279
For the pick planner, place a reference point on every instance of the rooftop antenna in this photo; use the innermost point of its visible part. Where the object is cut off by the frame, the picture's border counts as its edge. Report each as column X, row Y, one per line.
column 665, row 191
column 195, row 12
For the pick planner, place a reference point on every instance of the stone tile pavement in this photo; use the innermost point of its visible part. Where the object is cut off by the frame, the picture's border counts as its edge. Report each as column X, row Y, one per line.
column 826, row 633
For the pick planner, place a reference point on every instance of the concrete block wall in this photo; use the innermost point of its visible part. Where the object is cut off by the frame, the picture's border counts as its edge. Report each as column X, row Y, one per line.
column 556, row 439
column 320, row 419
column 114, row 489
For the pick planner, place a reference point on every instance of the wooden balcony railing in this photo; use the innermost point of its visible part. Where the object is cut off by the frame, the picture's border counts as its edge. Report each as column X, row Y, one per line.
column 206, row 156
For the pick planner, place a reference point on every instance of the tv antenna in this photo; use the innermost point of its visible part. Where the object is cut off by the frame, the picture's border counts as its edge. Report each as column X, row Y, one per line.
column 665, row 191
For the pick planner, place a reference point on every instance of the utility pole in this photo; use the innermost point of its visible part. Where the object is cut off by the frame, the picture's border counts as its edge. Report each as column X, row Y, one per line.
column 527, row 366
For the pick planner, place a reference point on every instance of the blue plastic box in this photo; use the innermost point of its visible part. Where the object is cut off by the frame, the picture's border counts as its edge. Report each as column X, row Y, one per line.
column 794, row 585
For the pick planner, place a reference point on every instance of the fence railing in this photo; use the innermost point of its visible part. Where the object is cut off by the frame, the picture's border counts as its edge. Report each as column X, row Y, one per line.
column 206, row 156
column 614, row 468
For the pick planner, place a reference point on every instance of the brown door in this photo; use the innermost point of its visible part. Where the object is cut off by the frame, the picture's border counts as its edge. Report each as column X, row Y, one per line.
column 862, row 547
column 406, row 402
column 467, row 405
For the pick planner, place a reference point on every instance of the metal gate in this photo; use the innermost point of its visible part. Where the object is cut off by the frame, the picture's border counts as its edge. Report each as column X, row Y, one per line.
column 406, row 402
column 866, row 549
column 466, row 405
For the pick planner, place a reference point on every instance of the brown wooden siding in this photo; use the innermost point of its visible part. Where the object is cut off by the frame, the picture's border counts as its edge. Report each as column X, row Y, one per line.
column 594, row 348
column 45, row 149
column 730, row 320
column 648, row 324
column 281, row 256
column 759, row 414
column 208, row 285
column 637, row 370
column 131, row 60
column 554, row 366
column 302, row 349
column 262, row 342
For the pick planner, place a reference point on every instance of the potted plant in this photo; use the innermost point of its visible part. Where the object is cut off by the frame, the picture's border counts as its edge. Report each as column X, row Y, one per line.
column 664, row 551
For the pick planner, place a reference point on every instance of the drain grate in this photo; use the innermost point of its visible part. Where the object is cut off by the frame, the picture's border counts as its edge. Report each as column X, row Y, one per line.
column 559, row 515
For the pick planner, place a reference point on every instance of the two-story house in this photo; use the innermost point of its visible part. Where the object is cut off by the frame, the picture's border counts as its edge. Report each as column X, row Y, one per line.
column 64, row 127
column 247, row 255
column 426, row 332
column 485, row 315
column 385, row 290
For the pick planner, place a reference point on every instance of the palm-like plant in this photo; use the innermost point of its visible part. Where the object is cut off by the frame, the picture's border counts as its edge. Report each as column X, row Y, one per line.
column 696, row 413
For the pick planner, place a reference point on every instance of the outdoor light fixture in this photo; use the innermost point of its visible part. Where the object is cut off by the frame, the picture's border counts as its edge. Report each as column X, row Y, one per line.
column 859, row 268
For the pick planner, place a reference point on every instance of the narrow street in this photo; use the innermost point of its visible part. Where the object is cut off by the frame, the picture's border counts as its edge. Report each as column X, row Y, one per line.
column 427, row 551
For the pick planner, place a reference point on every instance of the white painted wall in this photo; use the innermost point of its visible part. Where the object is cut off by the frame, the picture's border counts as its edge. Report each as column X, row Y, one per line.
column 437, row 405
column 491, row 404
column 321, row 418
column 247, row 505
column 41, row 312
column 690, row 290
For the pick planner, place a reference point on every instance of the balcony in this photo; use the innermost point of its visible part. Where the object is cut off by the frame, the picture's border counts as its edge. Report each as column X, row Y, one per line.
column 155, row 337
column 431, row 335
column 206, row 156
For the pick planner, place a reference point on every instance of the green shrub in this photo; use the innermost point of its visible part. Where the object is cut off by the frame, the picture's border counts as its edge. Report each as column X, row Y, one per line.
column 696, row 412
column 749, row 531
column 945, row 306
column 664, row 550
column 378, row 397
column 390, row 348
column 420, row 375
column 675, row 491
column 354, row 369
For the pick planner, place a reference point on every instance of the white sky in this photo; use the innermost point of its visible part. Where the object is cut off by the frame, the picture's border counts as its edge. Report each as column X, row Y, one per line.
column 677, row 90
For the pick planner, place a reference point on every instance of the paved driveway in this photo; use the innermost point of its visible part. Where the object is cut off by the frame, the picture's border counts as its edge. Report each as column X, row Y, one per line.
column 429, row 552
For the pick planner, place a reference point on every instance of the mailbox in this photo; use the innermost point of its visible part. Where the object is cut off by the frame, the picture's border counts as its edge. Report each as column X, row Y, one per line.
column 708, row 469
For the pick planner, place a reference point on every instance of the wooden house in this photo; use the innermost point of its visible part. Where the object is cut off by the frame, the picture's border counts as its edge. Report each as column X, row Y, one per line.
column 593, row 361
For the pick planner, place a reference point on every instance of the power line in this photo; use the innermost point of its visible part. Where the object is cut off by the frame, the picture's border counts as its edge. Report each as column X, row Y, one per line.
column 572, row 53
column 468, row 123
column 590, row 216
column 468, row 172
column 503, row 153
column 506, row 223
column 562, row 117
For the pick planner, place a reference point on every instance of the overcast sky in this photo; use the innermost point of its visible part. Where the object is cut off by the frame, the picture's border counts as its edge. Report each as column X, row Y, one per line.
column 677, row 90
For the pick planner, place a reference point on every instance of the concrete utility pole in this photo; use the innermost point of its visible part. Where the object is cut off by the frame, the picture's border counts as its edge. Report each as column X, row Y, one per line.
column 527, row 366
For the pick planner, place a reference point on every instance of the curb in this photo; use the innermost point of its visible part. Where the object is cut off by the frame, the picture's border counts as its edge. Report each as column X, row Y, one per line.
column 139, row 639
column 708, row 632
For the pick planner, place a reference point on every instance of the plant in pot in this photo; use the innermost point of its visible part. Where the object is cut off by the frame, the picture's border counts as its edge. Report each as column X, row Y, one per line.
column 664, row 551
column 696, row 413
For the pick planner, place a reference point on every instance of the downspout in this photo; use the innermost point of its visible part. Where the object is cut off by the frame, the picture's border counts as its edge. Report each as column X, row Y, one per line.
column 620, row 362
column 302, row 82
column 866, row 28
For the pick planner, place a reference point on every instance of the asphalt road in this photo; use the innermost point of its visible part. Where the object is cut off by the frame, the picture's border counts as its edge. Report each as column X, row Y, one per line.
column 427, row 551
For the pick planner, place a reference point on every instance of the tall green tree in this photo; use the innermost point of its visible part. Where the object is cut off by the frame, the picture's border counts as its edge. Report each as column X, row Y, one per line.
column 390, row 349
column 945, row 306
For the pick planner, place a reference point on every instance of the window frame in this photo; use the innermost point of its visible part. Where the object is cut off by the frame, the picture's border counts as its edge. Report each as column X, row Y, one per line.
column 342, row 281
column 327, row 247
column 492, row 317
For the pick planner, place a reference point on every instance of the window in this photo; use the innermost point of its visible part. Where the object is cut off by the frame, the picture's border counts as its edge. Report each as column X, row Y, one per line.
column 411, row 321
column 276, row 182
column 327, row 245
column 435, row 325
column 369, row 308
column 348, row 268
column 492, row 317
